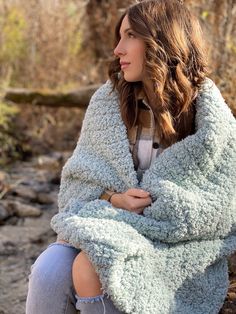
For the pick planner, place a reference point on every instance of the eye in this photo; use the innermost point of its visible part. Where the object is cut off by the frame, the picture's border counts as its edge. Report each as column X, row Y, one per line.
column 131, row 35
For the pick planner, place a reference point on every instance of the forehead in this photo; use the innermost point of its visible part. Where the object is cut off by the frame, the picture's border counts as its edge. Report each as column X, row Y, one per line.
column 125, row 24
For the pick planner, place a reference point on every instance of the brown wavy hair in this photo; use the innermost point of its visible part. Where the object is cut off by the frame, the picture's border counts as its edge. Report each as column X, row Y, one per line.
column 175, row 62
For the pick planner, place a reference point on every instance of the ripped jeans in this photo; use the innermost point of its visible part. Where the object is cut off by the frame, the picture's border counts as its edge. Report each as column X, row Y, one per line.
column 51, row 289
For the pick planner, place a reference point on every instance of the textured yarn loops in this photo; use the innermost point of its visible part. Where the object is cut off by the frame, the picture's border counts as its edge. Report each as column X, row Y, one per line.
column 171, row 259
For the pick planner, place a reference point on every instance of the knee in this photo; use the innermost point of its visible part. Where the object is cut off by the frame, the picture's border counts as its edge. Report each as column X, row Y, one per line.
column 85, row 279
column 50, row 281
column 44, row 277
column 82, row 269
column 52, row 270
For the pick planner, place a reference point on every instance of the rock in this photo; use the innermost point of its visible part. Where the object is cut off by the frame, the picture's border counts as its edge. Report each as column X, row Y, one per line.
column 5, row 204
column 24, row 235
column 42, row 238
column 45, row 198
column 4, row 183
column 3, row 176
column 13, row 221
column 25, row 192
column 232, row 264
column 4, row 214
column 56, row 178
column 232, row 286
column 24, row 210
column 7, row 248
column 49, row 162
column 45, row 162
column 45, row 188
column 228, row 308
column 232, row 296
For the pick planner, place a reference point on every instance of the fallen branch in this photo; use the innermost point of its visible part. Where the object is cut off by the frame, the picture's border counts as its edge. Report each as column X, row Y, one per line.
column 79, row 98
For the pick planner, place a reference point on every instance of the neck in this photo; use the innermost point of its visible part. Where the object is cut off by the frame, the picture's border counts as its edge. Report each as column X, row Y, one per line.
column 148, row 92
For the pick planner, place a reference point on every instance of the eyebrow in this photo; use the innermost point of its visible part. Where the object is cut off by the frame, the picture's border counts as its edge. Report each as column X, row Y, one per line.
column 126, row 30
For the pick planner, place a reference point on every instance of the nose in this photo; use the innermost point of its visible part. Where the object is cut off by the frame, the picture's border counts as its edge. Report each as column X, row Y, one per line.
column 119, row 50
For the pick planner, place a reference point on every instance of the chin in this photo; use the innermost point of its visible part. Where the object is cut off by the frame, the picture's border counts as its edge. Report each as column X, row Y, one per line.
column 131, row 79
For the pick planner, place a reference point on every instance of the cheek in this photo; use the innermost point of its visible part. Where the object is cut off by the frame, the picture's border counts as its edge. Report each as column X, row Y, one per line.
column 141, row 55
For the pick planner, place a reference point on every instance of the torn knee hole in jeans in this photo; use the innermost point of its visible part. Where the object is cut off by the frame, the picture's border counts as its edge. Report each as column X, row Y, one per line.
column 89, row 299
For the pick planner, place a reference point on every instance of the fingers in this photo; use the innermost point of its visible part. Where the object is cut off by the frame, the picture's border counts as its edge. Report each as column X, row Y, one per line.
column 132, row 200
column 136, row 204
column 142, row 202
column 137, row 208
column 137, row 193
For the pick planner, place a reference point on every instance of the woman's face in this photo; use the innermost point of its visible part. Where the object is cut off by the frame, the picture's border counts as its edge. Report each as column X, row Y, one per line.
column 131, row 51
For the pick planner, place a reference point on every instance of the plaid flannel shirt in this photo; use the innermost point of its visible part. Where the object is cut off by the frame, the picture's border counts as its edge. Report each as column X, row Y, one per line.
column 143, row 142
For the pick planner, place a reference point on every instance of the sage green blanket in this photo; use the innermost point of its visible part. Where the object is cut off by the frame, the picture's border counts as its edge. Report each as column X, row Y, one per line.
column 171, row 259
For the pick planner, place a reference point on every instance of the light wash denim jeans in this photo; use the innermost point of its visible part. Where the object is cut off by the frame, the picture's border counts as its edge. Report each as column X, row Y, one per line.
column 51, row 288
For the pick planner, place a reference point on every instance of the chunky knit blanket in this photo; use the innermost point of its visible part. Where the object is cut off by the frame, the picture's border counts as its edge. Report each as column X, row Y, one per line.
column 171, row 259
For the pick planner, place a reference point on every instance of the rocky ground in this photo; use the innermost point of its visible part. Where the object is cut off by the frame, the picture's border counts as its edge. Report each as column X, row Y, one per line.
column 28, row 199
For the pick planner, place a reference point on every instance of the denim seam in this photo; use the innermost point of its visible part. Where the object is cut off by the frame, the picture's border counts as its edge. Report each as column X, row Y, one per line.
column 67, row 304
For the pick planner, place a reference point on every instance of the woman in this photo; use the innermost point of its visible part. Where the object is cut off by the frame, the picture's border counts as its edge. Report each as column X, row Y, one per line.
column 147, row 206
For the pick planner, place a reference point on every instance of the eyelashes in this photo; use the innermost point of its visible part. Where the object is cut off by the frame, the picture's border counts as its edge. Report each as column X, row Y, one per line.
column 131, row 35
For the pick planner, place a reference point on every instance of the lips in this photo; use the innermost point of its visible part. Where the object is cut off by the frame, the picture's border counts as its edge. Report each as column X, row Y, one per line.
column 124, row 65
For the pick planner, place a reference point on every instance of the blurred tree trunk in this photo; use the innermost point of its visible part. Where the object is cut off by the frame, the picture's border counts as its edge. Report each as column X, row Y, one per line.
column 224, row 32
column 100, row 18
column 218, row 19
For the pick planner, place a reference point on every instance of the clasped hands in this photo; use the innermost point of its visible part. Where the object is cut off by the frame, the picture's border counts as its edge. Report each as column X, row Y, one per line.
column 134, row 200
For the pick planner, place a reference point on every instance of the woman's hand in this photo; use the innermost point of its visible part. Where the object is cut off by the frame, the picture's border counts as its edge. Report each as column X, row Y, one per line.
column 134, row 200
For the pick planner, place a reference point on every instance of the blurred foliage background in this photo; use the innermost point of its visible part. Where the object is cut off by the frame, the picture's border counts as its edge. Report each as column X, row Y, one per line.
column 62, row 45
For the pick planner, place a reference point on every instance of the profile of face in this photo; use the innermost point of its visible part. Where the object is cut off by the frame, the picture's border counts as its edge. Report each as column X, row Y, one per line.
column 131, row 51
